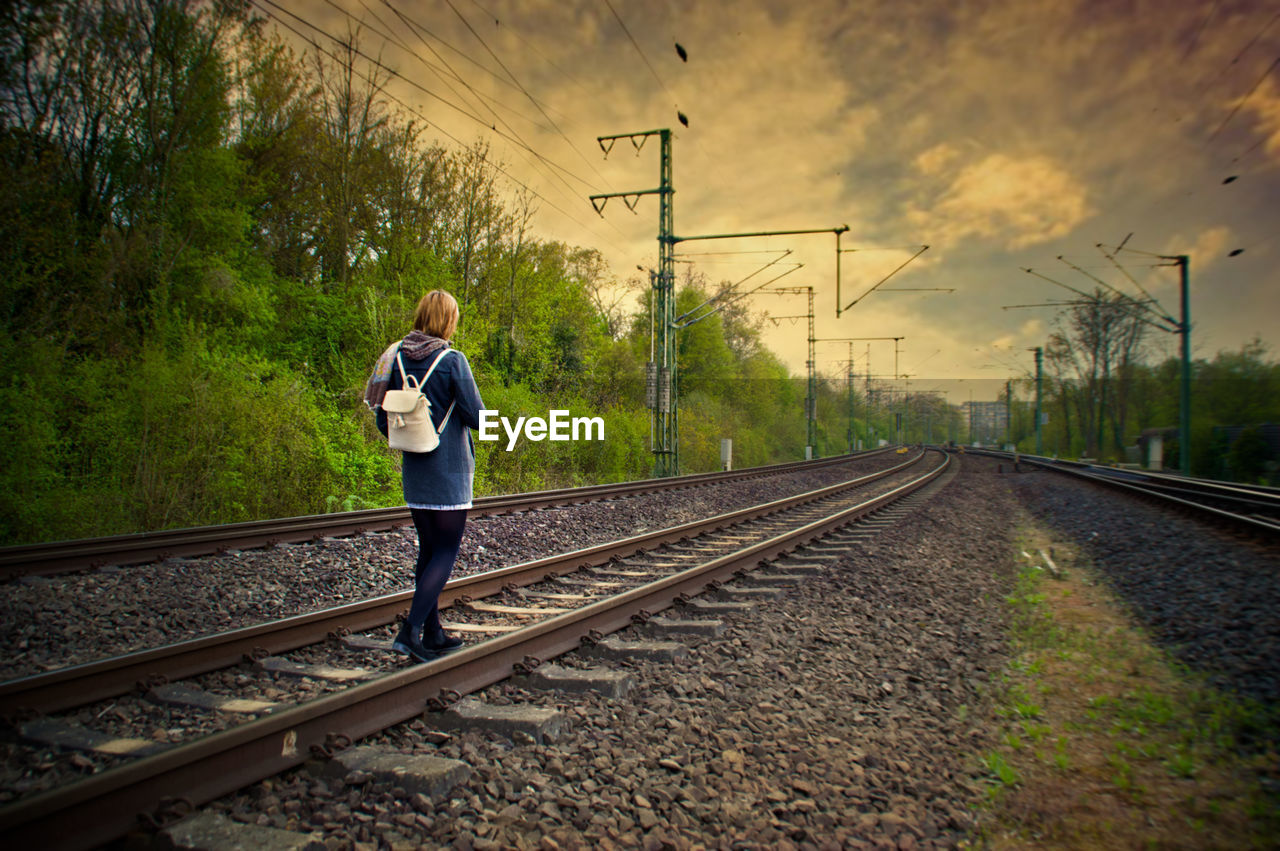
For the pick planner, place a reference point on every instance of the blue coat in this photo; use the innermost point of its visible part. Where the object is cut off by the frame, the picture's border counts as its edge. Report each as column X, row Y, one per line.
column 441, row 479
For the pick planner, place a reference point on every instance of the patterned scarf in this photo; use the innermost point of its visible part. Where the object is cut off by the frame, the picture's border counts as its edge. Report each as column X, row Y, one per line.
column 416, row 346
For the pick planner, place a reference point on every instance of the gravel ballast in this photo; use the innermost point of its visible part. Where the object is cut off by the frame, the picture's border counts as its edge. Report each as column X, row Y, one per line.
column 849, row 713
column 1211, row 597
column 838, row 715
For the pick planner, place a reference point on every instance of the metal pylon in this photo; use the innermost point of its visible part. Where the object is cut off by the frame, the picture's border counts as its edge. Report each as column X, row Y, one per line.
column 663, row 376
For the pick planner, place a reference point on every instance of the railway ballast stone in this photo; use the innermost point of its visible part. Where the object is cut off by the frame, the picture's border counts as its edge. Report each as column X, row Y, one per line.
column 426, row 775
column 209, row 831
column 1212, row 598
column 843, row 715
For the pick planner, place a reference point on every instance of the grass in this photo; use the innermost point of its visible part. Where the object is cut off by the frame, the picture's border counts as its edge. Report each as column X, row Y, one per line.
column 1105, row 741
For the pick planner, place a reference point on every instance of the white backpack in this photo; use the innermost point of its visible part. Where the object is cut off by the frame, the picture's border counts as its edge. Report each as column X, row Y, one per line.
column 409, row 426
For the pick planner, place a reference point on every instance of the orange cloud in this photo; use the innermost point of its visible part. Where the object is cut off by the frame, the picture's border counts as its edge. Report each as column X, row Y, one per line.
column 1015, row 202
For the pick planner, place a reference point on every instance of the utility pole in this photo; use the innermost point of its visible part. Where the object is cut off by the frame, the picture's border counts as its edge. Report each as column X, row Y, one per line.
column 867, row 395
column 664, row 401
column 897, row 415
column 1008, row 411
column 663, row 377
column 1184, row 330
column 811, row 396
column 1039, row 414
column 867, row 401
column 849, row 388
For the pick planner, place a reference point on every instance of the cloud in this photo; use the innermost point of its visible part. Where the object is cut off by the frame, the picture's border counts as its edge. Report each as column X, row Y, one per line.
column 1002, row 133
column 1206, row 248
column 1015, row 202
column 934, row 160
column 1006, row 341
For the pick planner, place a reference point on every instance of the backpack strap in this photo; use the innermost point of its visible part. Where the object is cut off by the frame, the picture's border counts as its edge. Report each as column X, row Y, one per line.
column 404, row 377
column 421, row 387
column 423, row 383
column 445, row 421
column 434, row 364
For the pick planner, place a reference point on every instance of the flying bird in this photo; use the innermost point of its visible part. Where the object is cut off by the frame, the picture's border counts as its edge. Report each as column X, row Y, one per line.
column 1236, row 253
column 684, row 119
column 684, row 54
column 1231, row 179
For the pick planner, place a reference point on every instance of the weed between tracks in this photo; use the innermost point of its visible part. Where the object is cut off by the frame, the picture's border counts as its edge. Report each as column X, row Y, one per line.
column 1107, row 742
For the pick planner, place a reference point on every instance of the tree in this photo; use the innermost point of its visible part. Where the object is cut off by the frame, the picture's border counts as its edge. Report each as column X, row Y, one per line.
column 1092, row 357
column 352, row 114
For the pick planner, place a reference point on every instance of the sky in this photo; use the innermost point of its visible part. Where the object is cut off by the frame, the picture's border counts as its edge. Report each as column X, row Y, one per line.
column 1002, row 134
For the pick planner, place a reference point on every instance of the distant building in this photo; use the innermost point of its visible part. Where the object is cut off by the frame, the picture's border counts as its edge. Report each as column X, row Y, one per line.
column 988, row 421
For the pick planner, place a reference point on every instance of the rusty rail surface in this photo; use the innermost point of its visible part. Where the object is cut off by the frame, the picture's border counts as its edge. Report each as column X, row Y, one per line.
column 105, row 806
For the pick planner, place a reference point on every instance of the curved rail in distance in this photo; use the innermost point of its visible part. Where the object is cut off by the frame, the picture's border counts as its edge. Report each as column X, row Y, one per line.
column 1252, row 507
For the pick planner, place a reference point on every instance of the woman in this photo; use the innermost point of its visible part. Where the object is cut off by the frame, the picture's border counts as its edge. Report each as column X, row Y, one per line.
column 437, row 484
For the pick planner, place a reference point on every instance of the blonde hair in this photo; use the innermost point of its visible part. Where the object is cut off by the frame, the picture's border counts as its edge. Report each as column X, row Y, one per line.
column 437, row 315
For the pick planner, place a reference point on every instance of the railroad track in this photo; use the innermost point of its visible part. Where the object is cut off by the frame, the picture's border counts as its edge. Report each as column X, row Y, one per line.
column 522, row 614
column 1247, row 507
column 88, row 553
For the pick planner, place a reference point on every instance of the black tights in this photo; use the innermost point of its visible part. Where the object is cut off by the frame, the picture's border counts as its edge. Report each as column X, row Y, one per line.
column 439, row 537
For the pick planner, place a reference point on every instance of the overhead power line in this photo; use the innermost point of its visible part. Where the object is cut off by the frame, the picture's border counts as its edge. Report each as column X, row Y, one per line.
column 453, row 73
column 417, row 29
column 482, row 101
column 1196, row 38
column 636, row 45
column 393, row 72
column 520, row 85
column 533, row 47
column 426, row 121
column 1240, row 103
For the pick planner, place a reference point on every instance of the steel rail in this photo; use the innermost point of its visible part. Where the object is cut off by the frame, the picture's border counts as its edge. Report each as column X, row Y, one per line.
column 104, row 806
column 138, row 548
column 77, row 685
column 1255, row 523
column 1157, row 491
column 1246, row 490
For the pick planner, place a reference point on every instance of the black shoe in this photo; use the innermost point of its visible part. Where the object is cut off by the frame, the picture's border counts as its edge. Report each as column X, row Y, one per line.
column 408, row 643
column 401, row 642
column 443, row 643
